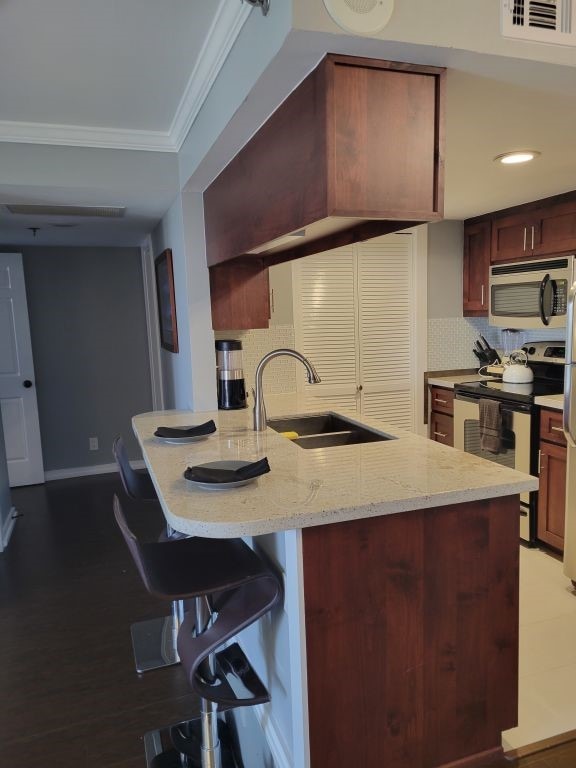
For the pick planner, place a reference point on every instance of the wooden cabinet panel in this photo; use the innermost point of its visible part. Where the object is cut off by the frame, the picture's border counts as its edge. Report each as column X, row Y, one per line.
column 359, row 142
column 240, row 295
column 511, row 237
column 539, row 230
column 442, row 400
column 442, row 428
column 551, row 427
column 555, row 226
column 551, row 495
column 476, row 268
column 412, row 634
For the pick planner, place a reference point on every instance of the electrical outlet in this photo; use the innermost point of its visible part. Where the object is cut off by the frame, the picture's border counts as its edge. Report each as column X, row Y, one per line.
column 93, row 443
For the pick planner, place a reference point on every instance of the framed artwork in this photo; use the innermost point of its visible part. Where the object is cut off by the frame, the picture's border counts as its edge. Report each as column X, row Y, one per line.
column 166, row 301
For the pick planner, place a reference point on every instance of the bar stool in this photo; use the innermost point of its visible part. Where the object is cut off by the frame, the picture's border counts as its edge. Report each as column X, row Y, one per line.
column 232, row 588
column 154, row 640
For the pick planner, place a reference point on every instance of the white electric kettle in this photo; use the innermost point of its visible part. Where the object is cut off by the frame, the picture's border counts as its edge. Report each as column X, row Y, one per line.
column 516, row 368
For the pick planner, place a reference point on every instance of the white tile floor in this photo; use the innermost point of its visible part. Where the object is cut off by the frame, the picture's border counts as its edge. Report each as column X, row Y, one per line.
column 547, row 700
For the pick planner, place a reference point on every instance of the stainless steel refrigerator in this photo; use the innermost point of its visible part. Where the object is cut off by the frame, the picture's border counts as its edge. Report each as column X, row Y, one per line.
column 570, row 432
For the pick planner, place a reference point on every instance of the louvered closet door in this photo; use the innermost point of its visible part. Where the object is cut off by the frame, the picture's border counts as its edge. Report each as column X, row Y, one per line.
column 325, row 326
column 387, row 329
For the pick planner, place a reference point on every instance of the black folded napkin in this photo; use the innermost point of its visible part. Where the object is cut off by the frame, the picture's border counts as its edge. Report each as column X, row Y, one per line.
column 201, row 429
column 206, row 474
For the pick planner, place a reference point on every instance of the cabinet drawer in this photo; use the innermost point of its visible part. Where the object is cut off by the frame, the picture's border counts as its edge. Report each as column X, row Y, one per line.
column 442, row 400
column 551, row 426
column 442, row 428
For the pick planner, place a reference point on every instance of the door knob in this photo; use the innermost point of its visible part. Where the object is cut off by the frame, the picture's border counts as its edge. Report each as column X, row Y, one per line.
column 27, row 383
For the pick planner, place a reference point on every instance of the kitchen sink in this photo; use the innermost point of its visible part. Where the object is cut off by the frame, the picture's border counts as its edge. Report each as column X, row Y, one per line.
column 325, row 430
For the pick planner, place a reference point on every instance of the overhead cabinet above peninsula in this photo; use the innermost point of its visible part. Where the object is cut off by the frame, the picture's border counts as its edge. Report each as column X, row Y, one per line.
column 355, row 151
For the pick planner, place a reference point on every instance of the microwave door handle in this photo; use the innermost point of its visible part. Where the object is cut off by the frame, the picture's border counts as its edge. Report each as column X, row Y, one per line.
column 570, row 370
column 545, row 280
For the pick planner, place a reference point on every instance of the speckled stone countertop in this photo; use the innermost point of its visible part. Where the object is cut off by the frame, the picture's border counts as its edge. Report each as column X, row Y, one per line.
column 310, row 487
column 551, row 401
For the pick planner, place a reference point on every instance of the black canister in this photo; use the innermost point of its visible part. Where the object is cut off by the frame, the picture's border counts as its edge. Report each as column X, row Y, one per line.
column 230, row 375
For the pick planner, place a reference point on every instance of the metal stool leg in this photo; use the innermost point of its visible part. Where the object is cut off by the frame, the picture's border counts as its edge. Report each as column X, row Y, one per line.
column 154, row 641
column 210, row 749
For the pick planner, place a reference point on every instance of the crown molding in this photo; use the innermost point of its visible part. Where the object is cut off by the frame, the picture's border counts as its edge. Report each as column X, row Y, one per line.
column 85, row 136
column 225, row 28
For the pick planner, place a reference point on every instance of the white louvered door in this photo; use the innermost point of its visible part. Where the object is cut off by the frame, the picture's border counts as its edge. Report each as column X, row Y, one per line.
column 325, row 326
column 354, row 319
column 386, row 329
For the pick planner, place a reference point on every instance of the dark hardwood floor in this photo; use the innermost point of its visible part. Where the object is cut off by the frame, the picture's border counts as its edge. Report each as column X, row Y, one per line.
column 70, row 697
column 68, row 594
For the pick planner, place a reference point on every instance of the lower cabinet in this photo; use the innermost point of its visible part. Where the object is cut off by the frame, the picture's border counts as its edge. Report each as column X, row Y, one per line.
column 552, row 493
column 442, row 415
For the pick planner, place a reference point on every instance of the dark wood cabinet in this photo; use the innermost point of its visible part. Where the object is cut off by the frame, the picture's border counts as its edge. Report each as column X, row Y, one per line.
column 552, row 491
column 538, row 229
column 476, row 268
column 356, row 150
column 442, row 415
column 512, row 237
column 240, row 295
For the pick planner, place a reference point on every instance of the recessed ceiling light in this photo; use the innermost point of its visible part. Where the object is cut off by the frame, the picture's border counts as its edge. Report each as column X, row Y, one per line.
column 520, row 156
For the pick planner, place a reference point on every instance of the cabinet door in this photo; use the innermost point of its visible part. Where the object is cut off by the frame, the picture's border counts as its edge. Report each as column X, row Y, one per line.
column 551, row 496
column 442, row 428
column 555, row 227
column 386, row 329
column 240, row 295
column 476, row 268
column 512, row 237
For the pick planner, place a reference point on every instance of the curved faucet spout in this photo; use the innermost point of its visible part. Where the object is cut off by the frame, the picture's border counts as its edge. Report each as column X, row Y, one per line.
column 259, row 406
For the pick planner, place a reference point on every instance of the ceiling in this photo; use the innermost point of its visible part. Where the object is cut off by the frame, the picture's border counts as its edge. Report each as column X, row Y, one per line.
column 113, row 88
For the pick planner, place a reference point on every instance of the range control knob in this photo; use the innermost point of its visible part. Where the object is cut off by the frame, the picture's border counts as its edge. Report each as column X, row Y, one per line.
column 531, row 350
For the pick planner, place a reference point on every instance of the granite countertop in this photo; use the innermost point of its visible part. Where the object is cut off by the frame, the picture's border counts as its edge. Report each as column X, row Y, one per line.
column 310, row 487
column 551, row 401
column 449, row 381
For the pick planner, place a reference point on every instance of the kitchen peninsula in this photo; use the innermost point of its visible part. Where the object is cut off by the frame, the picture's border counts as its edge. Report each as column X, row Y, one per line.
column 397, row 641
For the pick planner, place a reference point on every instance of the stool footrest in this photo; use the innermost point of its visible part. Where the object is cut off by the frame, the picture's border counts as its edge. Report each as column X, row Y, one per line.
column 238, row 684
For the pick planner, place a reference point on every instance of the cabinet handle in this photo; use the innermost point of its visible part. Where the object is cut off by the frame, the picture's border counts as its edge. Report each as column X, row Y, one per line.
column 556, row 429
column 359, row 388
column 524, row 238
column 482, row 299
column 272, row 300
column 440, row 434
column 532, row 238
column 539, row 461
column 439, row 400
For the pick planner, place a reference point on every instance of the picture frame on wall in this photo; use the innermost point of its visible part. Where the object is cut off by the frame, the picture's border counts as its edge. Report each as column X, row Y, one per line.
column 166, row 301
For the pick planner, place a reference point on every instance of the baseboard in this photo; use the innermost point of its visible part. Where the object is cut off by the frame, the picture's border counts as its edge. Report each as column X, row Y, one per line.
column 273, row 738
column 97, row 469
column 7, row 529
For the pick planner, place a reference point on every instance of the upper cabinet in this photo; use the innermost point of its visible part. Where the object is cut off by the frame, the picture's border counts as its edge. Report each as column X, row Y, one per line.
column 355, row 151
column 541, row 228
column 476, row 268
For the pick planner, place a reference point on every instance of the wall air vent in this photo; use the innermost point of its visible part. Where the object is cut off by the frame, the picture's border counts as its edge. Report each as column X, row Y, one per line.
column 539, row 21
column 89, row 211
column 362, row 17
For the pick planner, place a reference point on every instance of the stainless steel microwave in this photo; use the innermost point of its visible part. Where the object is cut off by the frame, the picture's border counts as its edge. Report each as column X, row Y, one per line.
column 531, row 294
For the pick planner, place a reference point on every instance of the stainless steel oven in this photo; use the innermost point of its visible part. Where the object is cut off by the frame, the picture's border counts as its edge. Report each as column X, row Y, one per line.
column 519, row 417
column 516, row 451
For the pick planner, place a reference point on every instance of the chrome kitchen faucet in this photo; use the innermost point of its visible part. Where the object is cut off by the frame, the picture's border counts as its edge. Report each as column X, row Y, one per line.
column 259, row 406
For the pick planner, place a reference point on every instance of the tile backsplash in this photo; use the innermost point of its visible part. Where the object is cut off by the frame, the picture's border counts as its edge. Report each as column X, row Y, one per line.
column 280, row 374
column 450, row 340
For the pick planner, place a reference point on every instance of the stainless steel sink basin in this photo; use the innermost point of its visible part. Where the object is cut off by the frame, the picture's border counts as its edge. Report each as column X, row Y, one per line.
column 324, row 430
column 313, row 424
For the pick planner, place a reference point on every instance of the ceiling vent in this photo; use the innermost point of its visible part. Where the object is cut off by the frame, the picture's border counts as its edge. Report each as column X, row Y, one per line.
column 362, row 17
column 540, row 21
column 92, row 211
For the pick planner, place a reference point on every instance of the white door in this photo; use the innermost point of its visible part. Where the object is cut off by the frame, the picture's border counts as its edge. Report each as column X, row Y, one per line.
column 17, row 383
column 356, row 317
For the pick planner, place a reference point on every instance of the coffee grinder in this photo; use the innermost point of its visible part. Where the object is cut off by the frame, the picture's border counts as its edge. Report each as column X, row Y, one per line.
column 230, row 375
